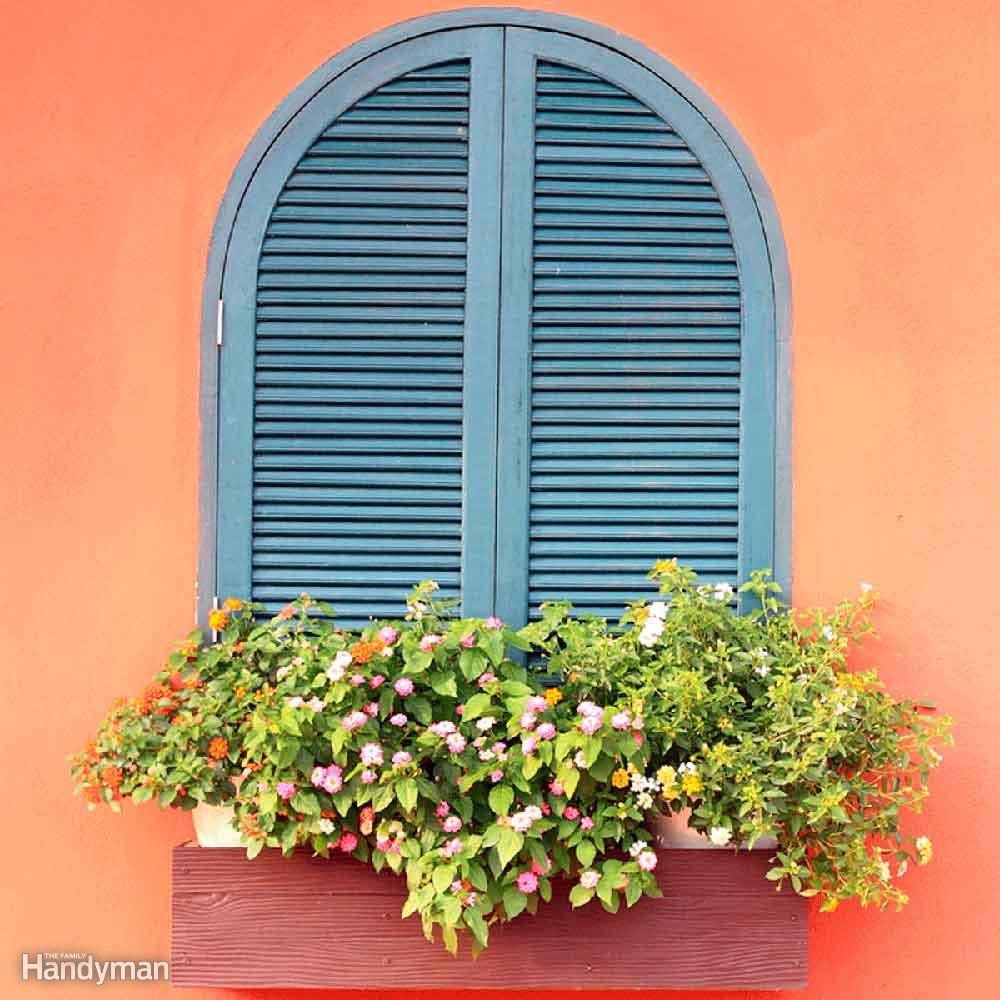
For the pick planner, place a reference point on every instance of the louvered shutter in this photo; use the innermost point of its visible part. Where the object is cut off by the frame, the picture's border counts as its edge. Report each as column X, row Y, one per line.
column 374, row 320
column 625, row 405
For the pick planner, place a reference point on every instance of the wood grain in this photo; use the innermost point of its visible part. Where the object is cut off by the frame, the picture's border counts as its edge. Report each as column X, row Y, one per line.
column 307, row 922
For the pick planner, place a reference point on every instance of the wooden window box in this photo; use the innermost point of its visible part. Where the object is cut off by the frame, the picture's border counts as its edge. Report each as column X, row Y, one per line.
column 309, row 922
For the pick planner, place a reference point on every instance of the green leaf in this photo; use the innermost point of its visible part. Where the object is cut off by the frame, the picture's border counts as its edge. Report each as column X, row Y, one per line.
column 382, row 797
column 477, row 876
column 254, row 848
column 443, row 877
column 586, row 852
column 501, row 797
column 514, row 902
column 470, row 662
column 474, row 921
column 418, row 661
column 406, row 792
column 509, row 845
column 530, row 767
column 443, row 684
column 420, row 709
column 305, row 802
column 632, row 892
column 450, row 938
column 578, row 895
column 475, row 707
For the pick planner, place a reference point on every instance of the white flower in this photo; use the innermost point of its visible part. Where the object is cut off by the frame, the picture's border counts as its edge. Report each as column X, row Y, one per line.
column 866, row 587
column 762, row 670
column 687, row 768
column 533, row 812
column 901, row 870
column 637, row 848
column 283, row 672
column 644, row 800
column 722, row 591
column 486, row 755
column 326, row 826
column 884, row 871
column 658, row 609
column 486, row 722
column 580, row 759
column 638, row 782
column 828, row 633
column 720, row 835
column 651, row 630
column 343, row 660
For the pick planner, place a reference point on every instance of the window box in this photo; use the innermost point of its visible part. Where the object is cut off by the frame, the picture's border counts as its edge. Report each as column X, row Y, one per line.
column 308, row 922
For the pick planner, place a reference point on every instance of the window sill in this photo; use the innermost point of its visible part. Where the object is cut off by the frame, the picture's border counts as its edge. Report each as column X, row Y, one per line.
column 307, row 922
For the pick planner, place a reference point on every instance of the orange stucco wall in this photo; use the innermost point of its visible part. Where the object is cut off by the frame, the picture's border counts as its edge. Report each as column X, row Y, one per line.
column 876, row 124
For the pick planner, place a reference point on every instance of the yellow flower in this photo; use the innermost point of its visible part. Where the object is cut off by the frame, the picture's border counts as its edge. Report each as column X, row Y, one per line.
column 620, row 778
column 232, row 604
column 847, row 681
column 925, row 850
column 691, row 784
column 666, row 775
column 218, row 620
column 553, row 696
column 641, row 614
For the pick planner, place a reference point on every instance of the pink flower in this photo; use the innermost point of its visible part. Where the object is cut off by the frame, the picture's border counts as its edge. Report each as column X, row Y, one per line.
column 638, row 722
column 452, row 847
column 587, row 708
column 496, row 776
column 537, row 869
column 528, row 745
column 527, row 720
column 493, row 622
column 455, row 742
column 647, row 861
column 335, row 672
column 586, row 823
column 376, row 682
column 404, row 687
column 442, row 728
column 316, row 704
column 369, row 777
column 401, row 758
column 555, row 787
column 388, row 635
column 546, row 731
column 456, row 886
column 357, row 680
column 382, row 843
column 460, row 710
column 354, row 721
column 536, row 703
column 330, row 779
column 620, row 720
column 638, row 738
column 348, row 843
column 591, row 724
column 468, row 640
column 485, row 678
column 442, row 809
column 589, row 879
column 521, row 822
column 527, row 882
column 546, row 809
column 371, row 708
column 571, row 812
column 429, row 642
column 371, row 753
column 451, row 824
column 398, row 719
column 286, row 789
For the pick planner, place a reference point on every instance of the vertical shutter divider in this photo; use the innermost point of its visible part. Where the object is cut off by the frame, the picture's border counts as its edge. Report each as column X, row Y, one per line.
column 482, row 294
column 514, row 438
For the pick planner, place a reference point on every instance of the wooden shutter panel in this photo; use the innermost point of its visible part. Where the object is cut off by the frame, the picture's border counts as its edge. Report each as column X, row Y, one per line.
column 367, row 354
column 625, row 384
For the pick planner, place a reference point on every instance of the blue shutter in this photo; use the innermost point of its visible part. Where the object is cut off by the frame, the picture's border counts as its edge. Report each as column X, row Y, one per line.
column 626, row 406
column 374, row 330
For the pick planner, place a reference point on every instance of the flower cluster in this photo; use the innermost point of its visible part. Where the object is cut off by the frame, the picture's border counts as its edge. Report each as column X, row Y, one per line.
column 420, row 745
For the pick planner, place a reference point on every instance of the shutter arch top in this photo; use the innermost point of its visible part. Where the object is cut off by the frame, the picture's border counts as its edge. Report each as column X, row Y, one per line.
column 499, row 309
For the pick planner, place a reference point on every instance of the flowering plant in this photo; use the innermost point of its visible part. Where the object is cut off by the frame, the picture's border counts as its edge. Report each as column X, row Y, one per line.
column 426, row 746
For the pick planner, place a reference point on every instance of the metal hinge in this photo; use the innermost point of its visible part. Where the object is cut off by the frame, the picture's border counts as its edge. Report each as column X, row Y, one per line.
column 218, row 324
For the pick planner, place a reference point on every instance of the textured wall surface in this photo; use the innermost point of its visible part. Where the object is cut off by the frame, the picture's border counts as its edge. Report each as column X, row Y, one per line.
column 876, row 125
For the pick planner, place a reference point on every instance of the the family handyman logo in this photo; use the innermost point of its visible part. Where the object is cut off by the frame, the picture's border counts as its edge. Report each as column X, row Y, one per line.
column 61, row 967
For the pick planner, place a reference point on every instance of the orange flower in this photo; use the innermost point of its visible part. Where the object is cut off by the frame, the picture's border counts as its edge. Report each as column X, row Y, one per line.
column 553, row 696
column 218, row 620
column 111, row 776
column 92, row 794
column 362, row 651
column 218, row 748
column 620, row 778
column 286, row 612
column 232, row 604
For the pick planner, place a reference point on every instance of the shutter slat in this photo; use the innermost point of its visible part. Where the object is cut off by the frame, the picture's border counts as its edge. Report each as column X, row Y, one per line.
column 635, row 351
column 358, row 381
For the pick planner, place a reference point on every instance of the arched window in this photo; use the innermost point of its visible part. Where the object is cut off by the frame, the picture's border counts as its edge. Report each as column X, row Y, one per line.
column 501, row 306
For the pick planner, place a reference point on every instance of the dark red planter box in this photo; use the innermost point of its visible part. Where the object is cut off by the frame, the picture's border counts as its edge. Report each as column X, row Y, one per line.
column 307, row 922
